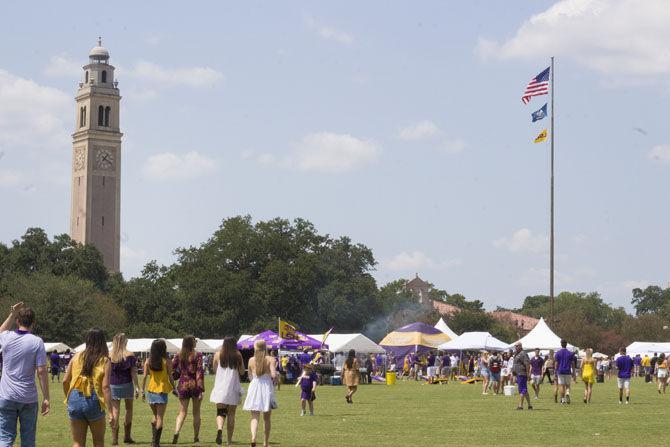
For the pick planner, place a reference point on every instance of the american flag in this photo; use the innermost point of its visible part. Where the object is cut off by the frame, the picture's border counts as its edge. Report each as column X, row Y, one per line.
column 537, row 86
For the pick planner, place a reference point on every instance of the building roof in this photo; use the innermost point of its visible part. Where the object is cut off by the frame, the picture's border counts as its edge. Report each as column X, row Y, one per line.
column 416, row 283
column 521, row 321
column 444, row 308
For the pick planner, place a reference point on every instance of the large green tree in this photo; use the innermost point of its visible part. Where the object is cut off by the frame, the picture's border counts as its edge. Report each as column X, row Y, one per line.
column 65, row 306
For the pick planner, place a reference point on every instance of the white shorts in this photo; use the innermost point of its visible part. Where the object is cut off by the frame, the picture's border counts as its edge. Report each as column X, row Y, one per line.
column 535, row 379
column 564, row 379
column 623, row 383
column 505, row 372
column 662, row 373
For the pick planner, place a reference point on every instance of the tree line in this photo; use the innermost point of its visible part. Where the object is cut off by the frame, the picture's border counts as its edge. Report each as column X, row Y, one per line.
column 248, row 274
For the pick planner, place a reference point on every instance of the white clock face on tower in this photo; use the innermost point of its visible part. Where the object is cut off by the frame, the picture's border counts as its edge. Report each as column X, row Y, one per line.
column 104, row 159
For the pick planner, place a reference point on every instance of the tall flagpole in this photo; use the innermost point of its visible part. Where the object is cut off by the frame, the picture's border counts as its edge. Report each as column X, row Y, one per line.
column 551, row 240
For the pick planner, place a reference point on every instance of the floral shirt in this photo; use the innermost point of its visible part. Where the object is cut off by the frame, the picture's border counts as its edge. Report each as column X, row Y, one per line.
column 191, row 376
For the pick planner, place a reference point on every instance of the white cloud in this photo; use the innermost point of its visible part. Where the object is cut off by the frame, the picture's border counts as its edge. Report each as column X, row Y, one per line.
column 419, row 131
column 328, row 32
column 427, row 130
column 418, row 260
column 331, row 152
column 143, row 71
column 324, row 152
column 660, row 153
column 454, row 146
column 171, row 166
column 617, row 37
column 190, row 76
column 523, row 240
column 32, row 115
column 62, row 65
column 9, row 179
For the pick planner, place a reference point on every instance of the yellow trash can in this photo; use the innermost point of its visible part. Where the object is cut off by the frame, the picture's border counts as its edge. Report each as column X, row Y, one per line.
column 390, row 378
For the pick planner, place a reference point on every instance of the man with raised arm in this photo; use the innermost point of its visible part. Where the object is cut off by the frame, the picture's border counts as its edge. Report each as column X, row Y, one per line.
column 23, row 354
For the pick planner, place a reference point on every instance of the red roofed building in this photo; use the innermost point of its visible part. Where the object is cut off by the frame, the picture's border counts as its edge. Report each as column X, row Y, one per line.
column 523, row 323
column 445, row 309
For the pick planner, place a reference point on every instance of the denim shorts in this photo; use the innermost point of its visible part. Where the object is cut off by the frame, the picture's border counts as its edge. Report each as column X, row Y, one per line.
column 82, row 408
column 157, row 398
column 123, row 391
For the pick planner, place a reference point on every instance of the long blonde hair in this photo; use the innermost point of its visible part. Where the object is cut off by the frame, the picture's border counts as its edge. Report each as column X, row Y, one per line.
column 260, row 352
column 589, row 354
column 119, row 343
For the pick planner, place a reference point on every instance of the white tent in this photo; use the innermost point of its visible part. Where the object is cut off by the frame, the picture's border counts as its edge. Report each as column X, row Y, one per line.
column 344, row 342
column 214, row 343
column 138, row 345
column 474, row 341
column 200, row 345
column 442, row 326
column 542, row 337
column 647, row 347
column 59, row 347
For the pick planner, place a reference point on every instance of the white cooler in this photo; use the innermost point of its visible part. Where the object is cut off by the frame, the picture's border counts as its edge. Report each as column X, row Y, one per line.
column 510, row 390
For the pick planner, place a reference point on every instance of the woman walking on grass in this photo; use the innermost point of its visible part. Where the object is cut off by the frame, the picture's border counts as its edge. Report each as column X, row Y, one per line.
column 188, row 366
column 124, row 386
column 588, row 375
column 158, row 371
column 86, row 387
column 227, row 391
column 486, row 374
column 662, row 373
column 351, row 375
column 261, row 393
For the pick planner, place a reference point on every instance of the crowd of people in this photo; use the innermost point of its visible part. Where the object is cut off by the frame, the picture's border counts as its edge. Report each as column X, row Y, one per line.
column 97, row 379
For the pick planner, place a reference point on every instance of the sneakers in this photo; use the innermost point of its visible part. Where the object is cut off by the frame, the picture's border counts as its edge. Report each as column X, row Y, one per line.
column 302, row 413
column 567, row 398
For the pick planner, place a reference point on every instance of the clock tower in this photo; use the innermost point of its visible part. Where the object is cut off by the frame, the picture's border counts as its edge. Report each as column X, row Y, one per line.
column 96, row 157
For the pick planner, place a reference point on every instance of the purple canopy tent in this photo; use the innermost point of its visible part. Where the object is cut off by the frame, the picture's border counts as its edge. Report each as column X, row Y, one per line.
column 274, row 341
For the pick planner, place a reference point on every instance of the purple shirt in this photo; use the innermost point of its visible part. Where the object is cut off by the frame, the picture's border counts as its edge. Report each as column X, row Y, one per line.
column 22, row 353
column 536, row 364
column 624, row 364
column 564, row 361
column 121, row 371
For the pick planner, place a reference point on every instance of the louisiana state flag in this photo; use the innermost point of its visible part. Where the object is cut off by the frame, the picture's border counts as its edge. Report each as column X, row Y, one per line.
column 542, row 137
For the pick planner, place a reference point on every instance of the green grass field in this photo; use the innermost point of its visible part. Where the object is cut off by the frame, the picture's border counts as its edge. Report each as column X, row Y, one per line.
column 411, row 413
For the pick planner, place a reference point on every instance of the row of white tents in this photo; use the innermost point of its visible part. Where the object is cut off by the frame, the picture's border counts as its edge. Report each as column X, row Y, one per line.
column 541, row 337
column 336, row 343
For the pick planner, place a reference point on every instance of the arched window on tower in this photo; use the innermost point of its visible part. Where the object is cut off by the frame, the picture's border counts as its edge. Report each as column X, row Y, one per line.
column 104, row 76
column 101, row 118
column 86, row 78
column 107, row 111
column 82, row 116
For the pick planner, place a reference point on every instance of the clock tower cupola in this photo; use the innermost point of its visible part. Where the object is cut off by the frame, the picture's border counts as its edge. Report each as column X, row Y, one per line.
column 96, row 157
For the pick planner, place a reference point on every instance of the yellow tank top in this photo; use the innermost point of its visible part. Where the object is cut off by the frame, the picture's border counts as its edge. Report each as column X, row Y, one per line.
column 84, row 384
column 159, row 382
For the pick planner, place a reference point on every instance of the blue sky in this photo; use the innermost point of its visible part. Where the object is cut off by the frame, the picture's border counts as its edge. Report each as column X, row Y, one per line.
column 398, row 124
